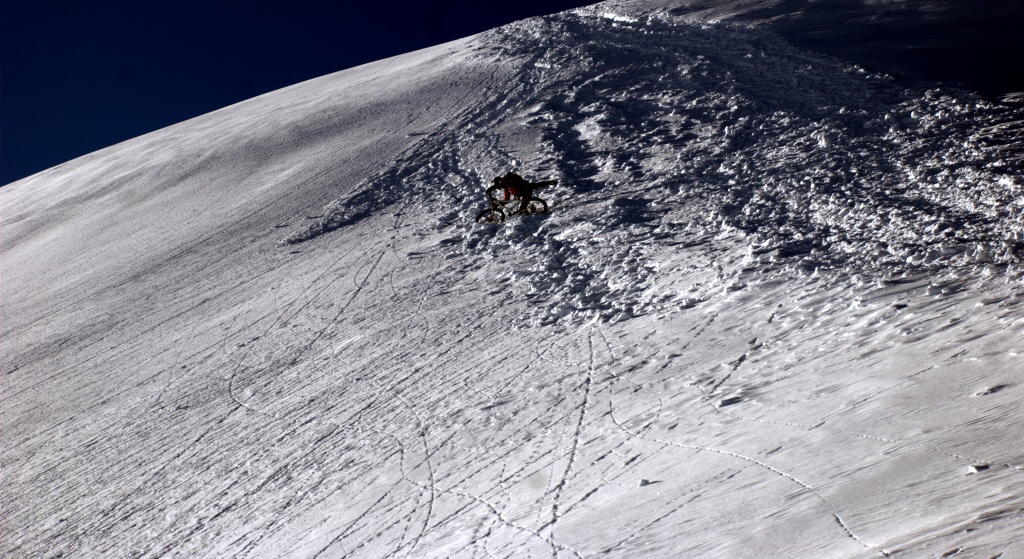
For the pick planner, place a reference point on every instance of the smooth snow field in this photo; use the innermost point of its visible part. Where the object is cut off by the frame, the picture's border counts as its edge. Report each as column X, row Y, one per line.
column 776, row 310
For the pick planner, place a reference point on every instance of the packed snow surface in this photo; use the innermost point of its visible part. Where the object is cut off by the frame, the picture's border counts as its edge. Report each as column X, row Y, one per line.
column 775, row 311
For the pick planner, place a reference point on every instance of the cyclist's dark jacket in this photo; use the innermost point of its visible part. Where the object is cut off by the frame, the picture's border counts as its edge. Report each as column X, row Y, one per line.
column 516, row 185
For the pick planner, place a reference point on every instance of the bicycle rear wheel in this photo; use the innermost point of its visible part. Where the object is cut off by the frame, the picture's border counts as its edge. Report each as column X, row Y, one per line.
column 491, row 215
column 536, row 206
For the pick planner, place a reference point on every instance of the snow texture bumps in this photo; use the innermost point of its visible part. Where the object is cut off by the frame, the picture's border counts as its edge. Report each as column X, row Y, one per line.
column 654, row 125
column 804, row 380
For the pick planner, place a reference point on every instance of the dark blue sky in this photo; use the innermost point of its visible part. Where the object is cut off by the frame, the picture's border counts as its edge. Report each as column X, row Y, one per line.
column 79, row 76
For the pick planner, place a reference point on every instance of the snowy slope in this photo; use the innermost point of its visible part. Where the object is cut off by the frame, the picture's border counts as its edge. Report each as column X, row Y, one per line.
column 971, row 44
column 775, row 311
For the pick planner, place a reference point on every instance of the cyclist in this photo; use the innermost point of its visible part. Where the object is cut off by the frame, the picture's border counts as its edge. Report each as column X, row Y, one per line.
column 515, row 186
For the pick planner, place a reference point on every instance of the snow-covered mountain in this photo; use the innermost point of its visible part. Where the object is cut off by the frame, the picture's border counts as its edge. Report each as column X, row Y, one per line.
column 775, row 311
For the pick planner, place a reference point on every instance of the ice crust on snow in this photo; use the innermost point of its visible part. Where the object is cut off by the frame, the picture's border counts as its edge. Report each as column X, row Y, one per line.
column 653, row 124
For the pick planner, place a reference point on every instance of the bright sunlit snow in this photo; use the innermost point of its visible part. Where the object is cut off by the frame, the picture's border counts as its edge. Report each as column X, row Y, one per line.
column 775, row 311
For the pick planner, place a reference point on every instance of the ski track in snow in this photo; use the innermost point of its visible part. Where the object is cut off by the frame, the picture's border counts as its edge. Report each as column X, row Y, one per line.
column 775, row 310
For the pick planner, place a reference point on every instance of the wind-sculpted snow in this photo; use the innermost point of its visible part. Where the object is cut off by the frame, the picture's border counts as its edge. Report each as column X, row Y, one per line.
column 775, row 310
column 654, row 125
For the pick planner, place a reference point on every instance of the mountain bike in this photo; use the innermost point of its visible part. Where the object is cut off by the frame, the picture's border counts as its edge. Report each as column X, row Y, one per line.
column 500, row 197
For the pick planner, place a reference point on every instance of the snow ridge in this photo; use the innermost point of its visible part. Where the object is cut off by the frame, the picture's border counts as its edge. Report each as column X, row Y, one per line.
column 656, row 126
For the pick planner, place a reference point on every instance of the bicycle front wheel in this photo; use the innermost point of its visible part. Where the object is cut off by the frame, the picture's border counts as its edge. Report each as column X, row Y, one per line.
column 491, row 215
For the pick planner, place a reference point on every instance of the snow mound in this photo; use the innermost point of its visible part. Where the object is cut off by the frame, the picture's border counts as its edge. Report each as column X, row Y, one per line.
column 656, row 126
